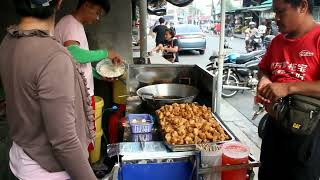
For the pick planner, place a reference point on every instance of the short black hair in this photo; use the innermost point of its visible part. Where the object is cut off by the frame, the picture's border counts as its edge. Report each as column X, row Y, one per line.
column 297, row 3
column 24, row 9
column 161, row 20
column 171, row 31
column 105, row 4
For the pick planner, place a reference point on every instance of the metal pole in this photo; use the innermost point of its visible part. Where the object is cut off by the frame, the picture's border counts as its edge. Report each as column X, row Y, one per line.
column 143, row 29
column 221, row 57
column 213, row 11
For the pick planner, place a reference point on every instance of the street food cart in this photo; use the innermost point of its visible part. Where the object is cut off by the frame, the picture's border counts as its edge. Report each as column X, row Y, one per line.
column 149, row 156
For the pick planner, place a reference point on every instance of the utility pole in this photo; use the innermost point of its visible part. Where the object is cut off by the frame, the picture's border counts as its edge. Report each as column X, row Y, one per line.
column 218, row 98
column 143, row 28
column 213, row 11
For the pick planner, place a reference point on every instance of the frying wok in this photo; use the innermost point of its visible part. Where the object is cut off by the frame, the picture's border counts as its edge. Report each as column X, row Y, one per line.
column 161, row 94
column 149, row 78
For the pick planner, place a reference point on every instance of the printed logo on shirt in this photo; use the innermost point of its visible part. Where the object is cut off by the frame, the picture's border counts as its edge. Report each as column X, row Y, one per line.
column 306, row 53
column 294, row 69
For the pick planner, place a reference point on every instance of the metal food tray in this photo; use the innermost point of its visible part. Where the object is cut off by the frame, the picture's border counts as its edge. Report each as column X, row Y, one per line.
column 192, row 147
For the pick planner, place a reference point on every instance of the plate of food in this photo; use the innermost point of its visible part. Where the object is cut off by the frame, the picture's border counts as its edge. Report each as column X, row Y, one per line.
column 107, row 69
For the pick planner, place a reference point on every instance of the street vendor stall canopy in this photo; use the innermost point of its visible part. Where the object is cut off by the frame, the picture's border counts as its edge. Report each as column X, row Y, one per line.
column 267, row 5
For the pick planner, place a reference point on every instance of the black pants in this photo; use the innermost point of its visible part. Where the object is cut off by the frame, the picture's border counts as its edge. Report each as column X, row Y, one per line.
column 286, row 156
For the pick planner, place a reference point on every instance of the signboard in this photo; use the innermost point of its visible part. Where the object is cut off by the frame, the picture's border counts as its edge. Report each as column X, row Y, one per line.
column 267, row 14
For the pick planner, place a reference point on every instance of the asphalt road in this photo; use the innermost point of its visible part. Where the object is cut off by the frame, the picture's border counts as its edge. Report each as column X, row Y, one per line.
column 193, row 57
column 243, row 101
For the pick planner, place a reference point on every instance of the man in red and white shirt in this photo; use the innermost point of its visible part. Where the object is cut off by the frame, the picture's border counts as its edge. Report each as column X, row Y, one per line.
column 290, row 66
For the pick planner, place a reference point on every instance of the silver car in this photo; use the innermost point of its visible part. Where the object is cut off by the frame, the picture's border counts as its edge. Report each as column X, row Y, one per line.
column 190, row 37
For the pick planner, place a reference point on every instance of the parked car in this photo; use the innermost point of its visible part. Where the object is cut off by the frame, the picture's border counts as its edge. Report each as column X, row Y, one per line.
column 190, row 37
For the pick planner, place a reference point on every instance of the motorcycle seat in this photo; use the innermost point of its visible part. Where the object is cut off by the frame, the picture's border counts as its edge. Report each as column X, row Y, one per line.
column 233, row 65
column 244, row 58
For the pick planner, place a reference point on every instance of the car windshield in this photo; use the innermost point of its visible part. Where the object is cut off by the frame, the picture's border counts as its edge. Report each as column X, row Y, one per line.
column 187, row 29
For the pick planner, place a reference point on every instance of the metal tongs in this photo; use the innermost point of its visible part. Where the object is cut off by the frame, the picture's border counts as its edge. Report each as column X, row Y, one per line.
column 258, row 111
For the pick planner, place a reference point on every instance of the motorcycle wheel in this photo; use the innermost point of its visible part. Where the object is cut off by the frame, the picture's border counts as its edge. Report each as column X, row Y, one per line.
column 233, row 80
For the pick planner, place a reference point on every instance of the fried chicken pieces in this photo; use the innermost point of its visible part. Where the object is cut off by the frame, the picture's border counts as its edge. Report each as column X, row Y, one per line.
column 189, row 124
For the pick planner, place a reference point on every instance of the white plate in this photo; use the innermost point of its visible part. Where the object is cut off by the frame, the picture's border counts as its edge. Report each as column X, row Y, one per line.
column 106, row 68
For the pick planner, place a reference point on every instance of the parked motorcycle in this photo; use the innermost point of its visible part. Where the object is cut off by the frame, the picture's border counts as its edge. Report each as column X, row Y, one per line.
column 235, row 58
column 239, row 72
column 255, row 43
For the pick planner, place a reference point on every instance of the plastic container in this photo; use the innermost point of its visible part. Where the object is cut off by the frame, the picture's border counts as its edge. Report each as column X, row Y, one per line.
column 99, row 103
column 94, row 155
column 141, row 128
column 212, row 158
column 234, row 153
column 119, row 90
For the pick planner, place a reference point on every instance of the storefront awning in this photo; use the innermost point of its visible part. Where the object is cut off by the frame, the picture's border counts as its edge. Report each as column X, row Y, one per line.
column 267, row 2
column 262, row 7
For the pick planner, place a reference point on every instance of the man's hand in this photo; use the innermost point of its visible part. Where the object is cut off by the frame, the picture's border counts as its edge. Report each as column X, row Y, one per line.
column 275, row 91
column 115, row 57
column 116, row 60
column 264, row 81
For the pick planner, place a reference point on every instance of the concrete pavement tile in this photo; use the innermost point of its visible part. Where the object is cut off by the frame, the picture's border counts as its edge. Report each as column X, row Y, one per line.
column 250, row 130
column 228, row 112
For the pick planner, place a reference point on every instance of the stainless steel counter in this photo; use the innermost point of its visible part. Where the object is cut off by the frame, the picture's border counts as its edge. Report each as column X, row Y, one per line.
column 182, row 74
column 155, row 151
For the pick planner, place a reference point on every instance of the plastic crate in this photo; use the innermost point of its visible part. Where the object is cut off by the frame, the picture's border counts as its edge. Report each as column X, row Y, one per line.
column 140, row 128
column 141, row 137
